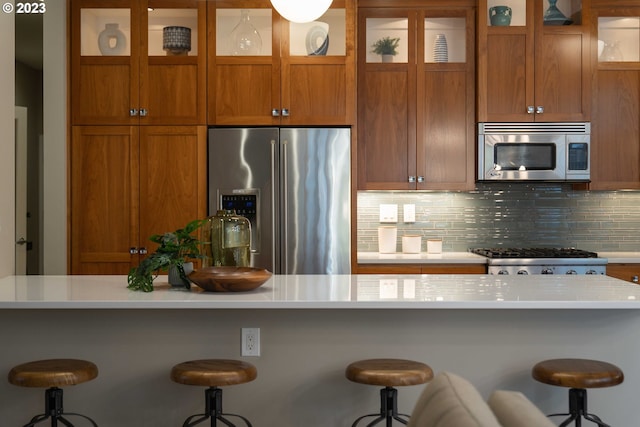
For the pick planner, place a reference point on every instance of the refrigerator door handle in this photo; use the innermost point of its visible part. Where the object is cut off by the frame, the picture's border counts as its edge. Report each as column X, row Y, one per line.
column 274, row 189
column 284, row 212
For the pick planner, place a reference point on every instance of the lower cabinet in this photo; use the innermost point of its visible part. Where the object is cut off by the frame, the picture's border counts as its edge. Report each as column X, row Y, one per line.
column 127, row 183
column 421, row 269
column 628, row 272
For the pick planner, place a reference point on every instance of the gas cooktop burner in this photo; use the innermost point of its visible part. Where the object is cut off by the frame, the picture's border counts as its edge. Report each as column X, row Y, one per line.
column 534, row 253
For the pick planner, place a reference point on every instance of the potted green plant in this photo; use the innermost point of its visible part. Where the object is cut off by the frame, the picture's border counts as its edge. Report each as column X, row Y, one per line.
column 386, row 48
column 174, row 249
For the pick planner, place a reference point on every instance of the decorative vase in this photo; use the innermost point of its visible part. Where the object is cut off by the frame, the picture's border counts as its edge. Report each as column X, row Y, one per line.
column 317, row 39
column 111, row 40
column 440, row 49
column 387, row 58
column 244, row 39
column 500, row 16
column 228, row 240
column 174, row 278
column 611, row 52
column 553, row 16
column 176, row 41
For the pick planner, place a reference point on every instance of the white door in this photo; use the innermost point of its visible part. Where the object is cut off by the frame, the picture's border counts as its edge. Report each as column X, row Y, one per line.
column 21, row 190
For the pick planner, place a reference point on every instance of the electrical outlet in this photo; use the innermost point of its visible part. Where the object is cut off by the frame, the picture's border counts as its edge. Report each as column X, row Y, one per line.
column 388, row 213
column 409, row 213
column 250, row 342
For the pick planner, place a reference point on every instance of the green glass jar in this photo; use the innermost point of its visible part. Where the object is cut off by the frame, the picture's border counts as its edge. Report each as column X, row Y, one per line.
column 227, row 240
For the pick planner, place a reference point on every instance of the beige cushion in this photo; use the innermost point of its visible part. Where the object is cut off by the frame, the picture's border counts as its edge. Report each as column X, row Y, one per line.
column 451, row 401
column 513, row 409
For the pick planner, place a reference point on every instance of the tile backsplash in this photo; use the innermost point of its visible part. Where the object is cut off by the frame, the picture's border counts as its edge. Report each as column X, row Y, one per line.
column 510, row 215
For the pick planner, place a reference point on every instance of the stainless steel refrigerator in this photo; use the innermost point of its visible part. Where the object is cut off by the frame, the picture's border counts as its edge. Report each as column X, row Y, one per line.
column 293, row 184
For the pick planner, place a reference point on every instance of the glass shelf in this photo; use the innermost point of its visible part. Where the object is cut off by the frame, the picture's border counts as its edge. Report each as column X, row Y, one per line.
column 228, row 19
column 378, row 28
column 454, row 31
column 619, row 39
column 94, row 21
column 160, row 18
column 309, row 39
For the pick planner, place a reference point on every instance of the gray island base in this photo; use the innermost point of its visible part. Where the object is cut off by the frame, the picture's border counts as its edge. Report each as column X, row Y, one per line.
column 488, row 329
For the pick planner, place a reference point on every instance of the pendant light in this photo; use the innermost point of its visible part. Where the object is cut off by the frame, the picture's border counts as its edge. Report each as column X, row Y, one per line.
column 301, row 11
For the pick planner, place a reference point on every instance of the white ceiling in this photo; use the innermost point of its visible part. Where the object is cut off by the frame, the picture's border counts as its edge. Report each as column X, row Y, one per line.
column 29, row 40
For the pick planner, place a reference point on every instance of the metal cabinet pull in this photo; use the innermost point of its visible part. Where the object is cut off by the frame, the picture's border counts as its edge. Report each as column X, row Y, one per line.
column 412, row 178
column 133, row 112
column 634, row 279
column 133, row 251
column 285, row 112
column 420, row 178
column 275, row 112
column 539, row 109
column 143, row 112
column 530, row 109
column 143, row 251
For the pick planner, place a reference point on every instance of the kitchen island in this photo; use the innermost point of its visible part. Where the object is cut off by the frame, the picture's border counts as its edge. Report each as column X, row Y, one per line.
column 489, row 329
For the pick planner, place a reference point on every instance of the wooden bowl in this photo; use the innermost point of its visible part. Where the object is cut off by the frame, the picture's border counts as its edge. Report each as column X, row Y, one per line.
column 229, row 279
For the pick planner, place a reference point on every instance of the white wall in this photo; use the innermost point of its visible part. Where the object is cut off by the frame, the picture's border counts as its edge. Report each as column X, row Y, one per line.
column 55, row 139
column 7, row 146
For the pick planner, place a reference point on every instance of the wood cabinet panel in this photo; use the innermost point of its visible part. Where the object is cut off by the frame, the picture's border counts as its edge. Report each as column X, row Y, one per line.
column 388, row 269
column 421, row 269
column 173, row 93
column 628, row 272
column 615, row 139
column 104, row 198
column 454, row 269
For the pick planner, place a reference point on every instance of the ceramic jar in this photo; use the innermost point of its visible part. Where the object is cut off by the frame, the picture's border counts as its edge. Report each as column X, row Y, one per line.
column 500, row 15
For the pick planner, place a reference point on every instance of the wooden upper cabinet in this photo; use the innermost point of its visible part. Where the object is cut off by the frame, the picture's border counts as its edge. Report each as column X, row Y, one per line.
column 615, row 128
column 138, row 62
column 533, row 61
column 265, row 70
column 416, row 115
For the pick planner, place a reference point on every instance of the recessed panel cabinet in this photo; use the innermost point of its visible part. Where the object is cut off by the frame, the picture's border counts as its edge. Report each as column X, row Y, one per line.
column 265, row 70
column 533, row 61
column 615, row 131
column 127, row 183
column 416, row 110
column 138, row 62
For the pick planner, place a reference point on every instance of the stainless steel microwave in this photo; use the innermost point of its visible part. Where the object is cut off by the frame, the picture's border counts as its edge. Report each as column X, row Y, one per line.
column 534, row 151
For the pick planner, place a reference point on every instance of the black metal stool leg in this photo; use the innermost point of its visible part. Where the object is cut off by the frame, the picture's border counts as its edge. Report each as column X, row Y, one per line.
column 213, row 411
column 578, row 410
column 53, row 409
column 388, row 409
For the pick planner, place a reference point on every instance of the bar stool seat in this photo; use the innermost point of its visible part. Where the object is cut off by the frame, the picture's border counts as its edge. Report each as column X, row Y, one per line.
column 578, row 375
column 388, row 373
column 53, row 374
column 213, row 373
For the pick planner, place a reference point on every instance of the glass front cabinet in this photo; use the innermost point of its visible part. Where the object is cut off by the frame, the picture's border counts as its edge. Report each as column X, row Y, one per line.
column 533, row 60
column 615, row 131
column 265, row 70
column 138, row 62
column 416, row 97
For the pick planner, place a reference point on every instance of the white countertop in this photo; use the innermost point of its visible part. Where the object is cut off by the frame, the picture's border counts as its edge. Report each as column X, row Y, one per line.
column 330, row 292
column 421, row 258
column 621, row 257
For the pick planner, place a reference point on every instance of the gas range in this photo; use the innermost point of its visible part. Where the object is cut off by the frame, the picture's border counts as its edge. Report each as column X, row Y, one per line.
column 542, row 261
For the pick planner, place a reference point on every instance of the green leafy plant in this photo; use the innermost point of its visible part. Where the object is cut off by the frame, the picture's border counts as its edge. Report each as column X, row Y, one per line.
column 174, row 249
column 386, row 46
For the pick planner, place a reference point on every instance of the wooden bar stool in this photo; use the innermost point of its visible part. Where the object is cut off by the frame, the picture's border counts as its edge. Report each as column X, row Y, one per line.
column 388, row 373
column 53, row 374
column 579, row 375
column 213, row 373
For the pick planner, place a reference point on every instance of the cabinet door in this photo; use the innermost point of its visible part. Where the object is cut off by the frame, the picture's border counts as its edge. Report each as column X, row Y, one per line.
column 173, row 65
column 105, row 46
column 172, row 179
column 615, row 132
column 104, row 199
column 446, row 129
column 243, row 76
column 387, row 102
column 628, row 272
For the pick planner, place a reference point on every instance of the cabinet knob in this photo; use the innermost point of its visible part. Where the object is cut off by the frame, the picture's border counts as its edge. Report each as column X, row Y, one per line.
column 634, row 279
column 412, row 178
column 143, row 112
column 530, row 109
column 420, row 178
column 285, row 112
column 275, row 112
column 133, row 251
column 539, row 109
column 133, row 112
column 143, row 251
